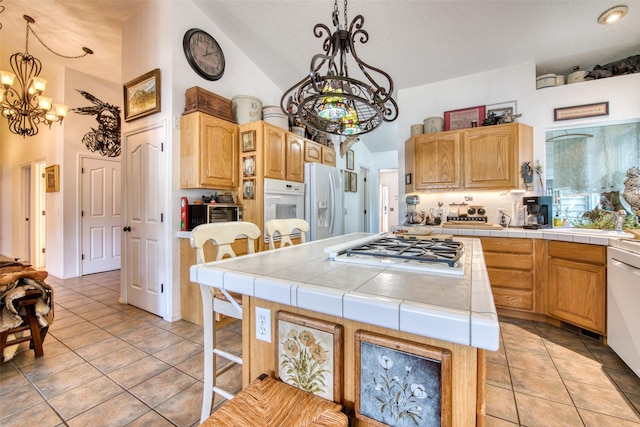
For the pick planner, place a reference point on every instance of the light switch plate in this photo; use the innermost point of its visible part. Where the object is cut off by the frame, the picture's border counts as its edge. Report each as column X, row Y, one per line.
column 263, row 324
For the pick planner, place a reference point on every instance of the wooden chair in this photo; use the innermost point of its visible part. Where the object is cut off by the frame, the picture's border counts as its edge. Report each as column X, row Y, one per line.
column 285, row 227
column 214, row 300
column 28, row 303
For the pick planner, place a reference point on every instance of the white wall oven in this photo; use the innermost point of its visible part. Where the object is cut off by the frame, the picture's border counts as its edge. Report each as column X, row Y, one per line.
column 283, row 199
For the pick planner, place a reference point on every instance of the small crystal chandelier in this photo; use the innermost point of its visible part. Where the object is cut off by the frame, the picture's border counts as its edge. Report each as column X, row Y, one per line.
column 330, row 101
column 25, row 107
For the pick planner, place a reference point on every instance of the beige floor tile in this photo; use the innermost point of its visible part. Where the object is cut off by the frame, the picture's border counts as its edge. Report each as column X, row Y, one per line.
column 124, row 355
column 162, row 387
column 193, row 366
column 68, row 379
column 609, row 359
column 100, row 312
column 46, row 366
column 520, row 327
column 515, row 342
column 139, row 371
column 577, row 353
column 64, row 322
column 51, row 347
column 497, row 422
column 82, row 327
column 602, row 400
column 102, row 348
column 500, row 403
column 40, row 415
column 635, row 401
column 536, row 362
column 626, row 380
column 557, row 335
column 119, row 411
column 184, row 408
column 78, row 341
column 584, row 373
column 81, row 310
column 498, row 375
column 10, row 378
column 110, row 319
column 594, row 419
column 178, row 352
column 84, row 397
column 538, row 412
column 19, row 399
column 548, row 387
column 76, row 303
column 155, row 343
column 151, row 419
column 498, row 356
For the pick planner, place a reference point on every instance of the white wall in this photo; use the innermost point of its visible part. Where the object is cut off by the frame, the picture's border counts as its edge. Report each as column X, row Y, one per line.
column 502, row 85
column 153, row 39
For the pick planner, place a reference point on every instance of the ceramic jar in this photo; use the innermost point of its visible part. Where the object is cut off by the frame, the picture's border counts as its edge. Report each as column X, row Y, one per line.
column 273, row 114
column 545, row 80
column 433, row 124
column 417, row 129
column 246, row 109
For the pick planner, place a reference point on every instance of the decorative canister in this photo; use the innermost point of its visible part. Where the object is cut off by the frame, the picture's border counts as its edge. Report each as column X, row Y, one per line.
column 417, row 129
column 273, row 114
column 433, row 124
column 545, row 80
column 577, row 75
column 246, row 109
column 298, row 130
column 559, row 80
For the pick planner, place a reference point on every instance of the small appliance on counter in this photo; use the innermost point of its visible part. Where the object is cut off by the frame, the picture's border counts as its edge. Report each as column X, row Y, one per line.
column 213, row 212
column 461, row 212
column 413, row 215
column 539, row 212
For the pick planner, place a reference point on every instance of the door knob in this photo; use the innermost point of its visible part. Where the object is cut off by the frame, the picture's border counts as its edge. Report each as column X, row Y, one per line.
column 127, row 228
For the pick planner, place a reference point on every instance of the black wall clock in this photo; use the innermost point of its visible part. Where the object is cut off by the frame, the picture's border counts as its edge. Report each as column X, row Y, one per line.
column 203, row 54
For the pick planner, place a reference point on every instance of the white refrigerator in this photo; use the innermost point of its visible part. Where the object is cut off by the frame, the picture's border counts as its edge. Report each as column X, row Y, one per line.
column 323, row 207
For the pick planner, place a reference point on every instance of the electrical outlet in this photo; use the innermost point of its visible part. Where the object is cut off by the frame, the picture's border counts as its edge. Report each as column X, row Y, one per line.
column 263, row 324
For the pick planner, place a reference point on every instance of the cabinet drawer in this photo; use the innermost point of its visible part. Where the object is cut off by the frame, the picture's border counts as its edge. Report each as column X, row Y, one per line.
column 581, row 252
column 511, row 279
column 508, row 298
column 503, row 244
column 509, row 261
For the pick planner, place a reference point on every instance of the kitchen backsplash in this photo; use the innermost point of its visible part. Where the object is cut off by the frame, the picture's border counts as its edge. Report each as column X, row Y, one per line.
column 491, row 201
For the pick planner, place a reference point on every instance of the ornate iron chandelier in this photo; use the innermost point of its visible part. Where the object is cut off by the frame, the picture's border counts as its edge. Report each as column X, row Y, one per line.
column 331, row 101
column 25, row 107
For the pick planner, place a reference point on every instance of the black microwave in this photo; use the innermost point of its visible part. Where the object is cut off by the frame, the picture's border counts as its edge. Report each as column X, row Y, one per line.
column 213, row 212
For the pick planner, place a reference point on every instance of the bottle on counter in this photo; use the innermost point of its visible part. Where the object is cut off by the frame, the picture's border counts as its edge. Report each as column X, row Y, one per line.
column 557, row 221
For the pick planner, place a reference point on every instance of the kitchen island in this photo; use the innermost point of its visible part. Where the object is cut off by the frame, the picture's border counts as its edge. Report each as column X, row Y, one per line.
column 454, row 314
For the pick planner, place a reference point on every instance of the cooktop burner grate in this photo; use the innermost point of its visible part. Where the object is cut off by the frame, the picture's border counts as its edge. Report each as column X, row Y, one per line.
column 440, row 251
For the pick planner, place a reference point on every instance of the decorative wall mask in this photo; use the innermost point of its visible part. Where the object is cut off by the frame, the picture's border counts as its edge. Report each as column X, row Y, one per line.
column 106, row 138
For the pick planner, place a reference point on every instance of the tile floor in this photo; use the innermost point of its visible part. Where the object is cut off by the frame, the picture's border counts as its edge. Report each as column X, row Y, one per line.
column 111, row 364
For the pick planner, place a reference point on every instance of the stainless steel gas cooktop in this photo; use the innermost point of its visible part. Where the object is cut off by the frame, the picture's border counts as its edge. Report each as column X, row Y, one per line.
column 432, row 255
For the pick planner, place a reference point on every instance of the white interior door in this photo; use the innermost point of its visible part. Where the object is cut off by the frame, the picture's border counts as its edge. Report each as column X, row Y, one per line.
column 24, row 253
column 101, row 215
column 384, row 226
column 145, row 190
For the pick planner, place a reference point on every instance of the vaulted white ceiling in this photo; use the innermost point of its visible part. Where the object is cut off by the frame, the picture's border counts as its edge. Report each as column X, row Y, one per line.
column 416, row 42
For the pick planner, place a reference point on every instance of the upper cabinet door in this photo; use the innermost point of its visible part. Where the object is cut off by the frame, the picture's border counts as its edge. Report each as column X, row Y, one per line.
column 437, row 161
column 275, row 151
column 295, row 158
column 208, row 152
column 491, row 157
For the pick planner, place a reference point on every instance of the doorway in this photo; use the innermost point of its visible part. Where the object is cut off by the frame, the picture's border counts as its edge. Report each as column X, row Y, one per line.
column 363, row 201
column 101, row 215
column 388, row 179
column 39, row 216
column 24, row 250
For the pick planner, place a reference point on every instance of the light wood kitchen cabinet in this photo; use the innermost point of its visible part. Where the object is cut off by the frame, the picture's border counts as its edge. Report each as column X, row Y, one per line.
column 318, row 153
column 437, row 159
column 208, row 152
column 493, row 155
column 283, row 154
column 510, row 265
column 484, row 158
column 577, row 284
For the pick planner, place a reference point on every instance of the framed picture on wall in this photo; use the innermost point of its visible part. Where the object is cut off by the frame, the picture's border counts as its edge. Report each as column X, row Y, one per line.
column 52, row 178
column 248, row 189
column 249, row 166
column 248, row 140
column 142, row 96
column 353, row 184
column 350, row 155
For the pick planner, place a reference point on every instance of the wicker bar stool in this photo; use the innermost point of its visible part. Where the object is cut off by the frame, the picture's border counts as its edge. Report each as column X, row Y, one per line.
column 268, row 402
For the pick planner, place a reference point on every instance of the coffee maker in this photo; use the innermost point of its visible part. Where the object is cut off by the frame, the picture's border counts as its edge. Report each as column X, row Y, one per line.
column 538, row 212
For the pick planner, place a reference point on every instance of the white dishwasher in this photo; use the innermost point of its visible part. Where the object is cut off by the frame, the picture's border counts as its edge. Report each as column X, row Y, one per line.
column 623, row 301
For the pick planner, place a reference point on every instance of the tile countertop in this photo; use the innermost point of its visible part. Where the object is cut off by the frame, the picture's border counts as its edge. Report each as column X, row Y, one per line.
column 458, row 309
column 618, row 239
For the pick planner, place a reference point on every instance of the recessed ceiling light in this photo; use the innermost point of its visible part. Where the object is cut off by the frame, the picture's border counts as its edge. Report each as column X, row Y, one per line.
column 613, row 15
